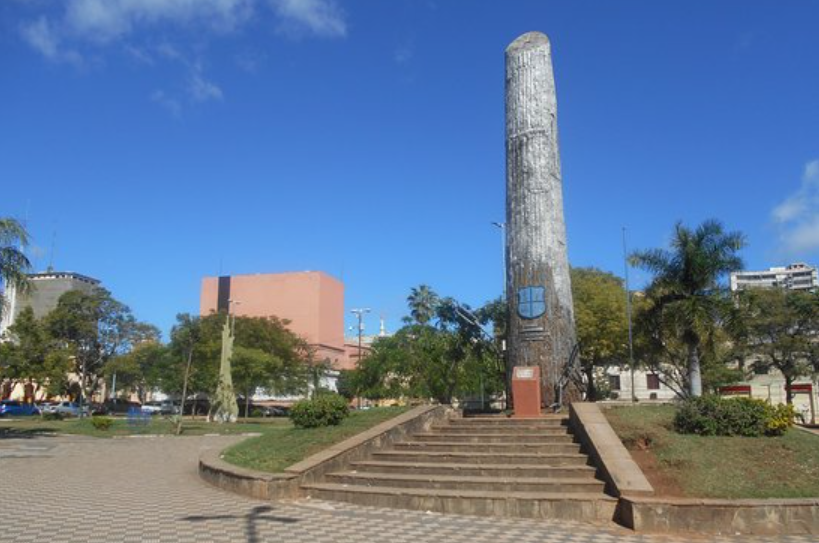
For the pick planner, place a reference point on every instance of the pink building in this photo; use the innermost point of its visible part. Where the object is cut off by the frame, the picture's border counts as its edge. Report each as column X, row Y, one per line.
column 313, row 302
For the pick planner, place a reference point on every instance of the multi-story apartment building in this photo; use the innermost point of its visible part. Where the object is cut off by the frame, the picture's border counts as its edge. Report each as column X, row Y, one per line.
column 798, row 276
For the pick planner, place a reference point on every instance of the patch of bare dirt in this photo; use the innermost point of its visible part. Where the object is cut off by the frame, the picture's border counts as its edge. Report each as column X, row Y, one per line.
column 665, row 485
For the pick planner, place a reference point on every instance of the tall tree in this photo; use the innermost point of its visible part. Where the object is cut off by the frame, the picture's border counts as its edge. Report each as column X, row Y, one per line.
column 186, row 336
column 600, row 317
column 31, row 357
column 451, row 359
column 423, row 302
column 95, row 328
column 138, row 370
column 253, row 369
column 783, row 327
column 687, row 284
column 13, row 261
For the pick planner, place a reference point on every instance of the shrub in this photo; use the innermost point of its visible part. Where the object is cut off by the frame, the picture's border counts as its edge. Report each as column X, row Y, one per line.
column 716, row 416
column 53, row 416
column 323, row 410
column 101, row 423
column 780, row 420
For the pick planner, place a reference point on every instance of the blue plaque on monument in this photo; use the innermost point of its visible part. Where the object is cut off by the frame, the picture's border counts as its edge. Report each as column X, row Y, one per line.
column 531, row 302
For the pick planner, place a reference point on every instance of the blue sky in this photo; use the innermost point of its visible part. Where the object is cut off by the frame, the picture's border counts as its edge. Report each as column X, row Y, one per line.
column 167, row 140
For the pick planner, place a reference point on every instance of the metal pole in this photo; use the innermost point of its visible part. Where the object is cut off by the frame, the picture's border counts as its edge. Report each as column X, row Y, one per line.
column 628, row 316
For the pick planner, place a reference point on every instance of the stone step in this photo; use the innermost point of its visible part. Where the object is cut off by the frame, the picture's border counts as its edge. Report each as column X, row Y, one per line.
column 588, row 507
column 473, row 470
column 482, row 458
column 444, row 437
column 463, row 482
column 451, row 446
column 500, row 429
column 551, row 422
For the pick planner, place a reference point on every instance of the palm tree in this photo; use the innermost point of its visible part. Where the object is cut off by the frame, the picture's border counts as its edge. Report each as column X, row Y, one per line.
column 13, row 262
column 686, row 283
column 422, row 303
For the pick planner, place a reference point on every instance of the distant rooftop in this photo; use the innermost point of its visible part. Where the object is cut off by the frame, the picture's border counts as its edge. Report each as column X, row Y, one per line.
column 39, row 276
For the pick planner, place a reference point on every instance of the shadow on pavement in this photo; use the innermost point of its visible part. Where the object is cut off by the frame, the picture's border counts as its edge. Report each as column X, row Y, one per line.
column 26, row 433
column 252, row 519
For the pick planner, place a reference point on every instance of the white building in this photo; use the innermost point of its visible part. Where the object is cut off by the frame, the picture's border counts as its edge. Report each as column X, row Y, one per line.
column 647, row 385
column 798, row 276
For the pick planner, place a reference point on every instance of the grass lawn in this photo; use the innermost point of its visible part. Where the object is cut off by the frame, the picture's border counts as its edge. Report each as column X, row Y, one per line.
column 717, row 467
column 275, row 450
column 122, row 427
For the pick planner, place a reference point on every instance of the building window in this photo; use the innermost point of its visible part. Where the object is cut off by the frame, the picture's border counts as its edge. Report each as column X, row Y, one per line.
column 653, row 381
column 614, row 382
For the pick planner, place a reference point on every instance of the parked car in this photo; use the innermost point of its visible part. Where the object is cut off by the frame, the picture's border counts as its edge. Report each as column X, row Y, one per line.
column 118, row 406
column 164, row 407
column 70, row 409
column 47, row 407
column 13, row 408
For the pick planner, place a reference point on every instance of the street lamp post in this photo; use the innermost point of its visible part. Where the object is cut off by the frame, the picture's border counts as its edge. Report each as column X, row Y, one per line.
column 628, row 316
column 359, row 313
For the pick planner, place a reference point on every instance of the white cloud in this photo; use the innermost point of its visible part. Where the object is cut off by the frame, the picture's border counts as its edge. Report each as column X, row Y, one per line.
column 202, row 90
column 798, row 215
column 42, row 37
column 105, row 20
column 318, row 17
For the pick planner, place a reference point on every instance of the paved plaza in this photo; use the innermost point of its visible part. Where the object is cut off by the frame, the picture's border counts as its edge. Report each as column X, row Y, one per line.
column 76, row 489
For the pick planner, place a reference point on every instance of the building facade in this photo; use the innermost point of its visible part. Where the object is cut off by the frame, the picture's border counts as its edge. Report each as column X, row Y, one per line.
column 312, row 302
column 42, row 296
column 797, row 276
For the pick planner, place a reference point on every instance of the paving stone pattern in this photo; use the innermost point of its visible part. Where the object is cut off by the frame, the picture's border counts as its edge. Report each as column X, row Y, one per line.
column 78, row 489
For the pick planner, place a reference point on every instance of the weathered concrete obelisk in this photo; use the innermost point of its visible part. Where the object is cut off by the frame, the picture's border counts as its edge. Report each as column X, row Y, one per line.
column 538, row 287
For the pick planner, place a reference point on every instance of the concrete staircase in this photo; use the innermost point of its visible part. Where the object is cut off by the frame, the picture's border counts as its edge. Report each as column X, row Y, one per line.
column 479, row 466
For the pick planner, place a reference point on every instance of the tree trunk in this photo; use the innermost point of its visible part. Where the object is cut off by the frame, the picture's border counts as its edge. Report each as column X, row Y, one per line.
column 184, row 392
column 591, row 391
column 694, row 373
column 788, row 392
column 247, row 405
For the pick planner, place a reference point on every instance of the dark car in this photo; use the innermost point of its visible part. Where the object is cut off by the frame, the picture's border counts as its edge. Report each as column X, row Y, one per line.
column 13, row 408
column 117, row 406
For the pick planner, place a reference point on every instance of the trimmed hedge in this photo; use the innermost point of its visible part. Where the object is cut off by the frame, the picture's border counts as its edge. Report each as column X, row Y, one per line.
column 322, row 410
column 717, row 416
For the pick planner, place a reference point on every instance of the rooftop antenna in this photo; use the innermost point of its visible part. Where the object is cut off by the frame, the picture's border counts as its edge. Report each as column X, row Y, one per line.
column 53, row 249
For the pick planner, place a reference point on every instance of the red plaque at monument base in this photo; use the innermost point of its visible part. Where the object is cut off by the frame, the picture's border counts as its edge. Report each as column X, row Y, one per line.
column 526, row 391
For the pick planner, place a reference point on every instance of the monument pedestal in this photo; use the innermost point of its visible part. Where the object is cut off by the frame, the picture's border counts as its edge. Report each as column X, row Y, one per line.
column 526, row 391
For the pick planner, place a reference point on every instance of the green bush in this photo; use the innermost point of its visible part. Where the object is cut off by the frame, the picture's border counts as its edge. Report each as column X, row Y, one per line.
column 101, row 423
column 322, row 410
column 716, row 416
column 53, row 416
column 780, row 420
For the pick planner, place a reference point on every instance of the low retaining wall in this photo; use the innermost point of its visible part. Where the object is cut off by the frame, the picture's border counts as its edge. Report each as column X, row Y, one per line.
column 272, row 486
column 641, row 511
column 728, row 517
column 613, row 461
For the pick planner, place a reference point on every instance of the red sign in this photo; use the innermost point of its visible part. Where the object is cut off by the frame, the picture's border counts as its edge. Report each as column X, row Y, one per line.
column 801, row 387
column 735, row 390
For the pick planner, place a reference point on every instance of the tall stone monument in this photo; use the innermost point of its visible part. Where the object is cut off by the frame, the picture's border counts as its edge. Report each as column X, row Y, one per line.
column 538, row 287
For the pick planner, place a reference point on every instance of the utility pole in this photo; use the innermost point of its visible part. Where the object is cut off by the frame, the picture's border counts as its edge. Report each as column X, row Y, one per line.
column 359, row 313
column 628, row 316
